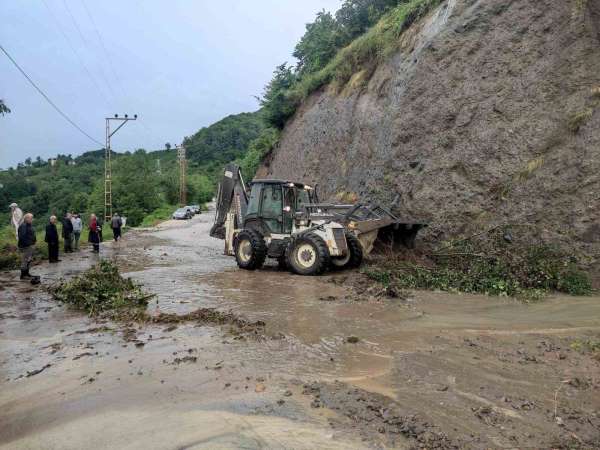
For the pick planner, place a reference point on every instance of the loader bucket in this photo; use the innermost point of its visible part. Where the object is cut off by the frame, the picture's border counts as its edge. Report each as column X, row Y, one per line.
column 386, row 237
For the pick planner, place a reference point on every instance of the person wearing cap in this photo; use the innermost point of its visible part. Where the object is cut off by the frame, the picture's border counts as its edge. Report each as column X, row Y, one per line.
column 16, row 217
column 26, row 244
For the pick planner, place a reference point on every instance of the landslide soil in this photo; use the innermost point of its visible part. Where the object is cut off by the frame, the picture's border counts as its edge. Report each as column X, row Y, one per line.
column 332, row 368
column 488, row 114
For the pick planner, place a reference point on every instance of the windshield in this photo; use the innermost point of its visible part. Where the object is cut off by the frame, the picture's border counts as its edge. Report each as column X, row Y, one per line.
column 181, row 210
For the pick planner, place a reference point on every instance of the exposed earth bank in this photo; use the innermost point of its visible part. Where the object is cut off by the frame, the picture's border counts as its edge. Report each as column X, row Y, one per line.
column 489, row 114
column 334, row 367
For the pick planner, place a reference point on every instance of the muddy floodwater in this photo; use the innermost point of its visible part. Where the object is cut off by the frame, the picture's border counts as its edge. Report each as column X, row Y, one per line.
column 333, row 369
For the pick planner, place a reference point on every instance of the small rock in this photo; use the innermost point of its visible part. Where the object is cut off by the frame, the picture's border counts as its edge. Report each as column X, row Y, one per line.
column 559, row 421
column 260, row 388
column 352, row 339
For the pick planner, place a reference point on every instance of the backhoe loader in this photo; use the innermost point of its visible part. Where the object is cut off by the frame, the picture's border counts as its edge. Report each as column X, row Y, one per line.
column 285, row 221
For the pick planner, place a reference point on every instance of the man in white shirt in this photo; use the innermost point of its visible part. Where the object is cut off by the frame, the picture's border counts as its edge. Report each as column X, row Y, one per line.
column 77, row 227
column 16, row 217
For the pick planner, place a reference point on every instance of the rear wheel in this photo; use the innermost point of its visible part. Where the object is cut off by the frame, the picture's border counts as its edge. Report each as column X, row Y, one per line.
column 308, row 255
column 354, row 257
column 250, row 250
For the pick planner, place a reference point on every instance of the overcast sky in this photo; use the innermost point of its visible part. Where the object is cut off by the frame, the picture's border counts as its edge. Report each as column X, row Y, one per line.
column 179, row 64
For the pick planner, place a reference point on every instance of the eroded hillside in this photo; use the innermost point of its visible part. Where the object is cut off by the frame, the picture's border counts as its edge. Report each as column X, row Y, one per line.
column 488, row 114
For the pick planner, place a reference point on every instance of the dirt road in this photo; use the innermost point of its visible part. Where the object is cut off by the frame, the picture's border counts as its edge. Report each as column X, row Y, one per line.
column 333, row 369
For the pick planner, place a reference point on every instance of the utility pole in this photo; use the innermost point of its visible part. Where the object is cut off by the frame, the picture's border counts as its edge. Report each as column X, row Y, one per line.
column 108, row 200
column 182, row 172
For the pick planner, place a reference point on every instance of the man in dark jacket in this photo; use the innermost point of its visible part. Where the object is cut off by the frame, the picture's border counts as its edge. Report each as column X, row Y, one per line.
column 67, row 232
column 26, row 243
column 52, row 240
column 116, row 225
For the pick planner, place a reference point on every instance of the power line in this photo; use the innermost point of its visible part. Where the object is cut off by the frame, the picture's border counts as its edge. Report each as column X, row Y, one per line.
column 67, row 118
column 85, row 68
column 101, row 40
column 85, row 43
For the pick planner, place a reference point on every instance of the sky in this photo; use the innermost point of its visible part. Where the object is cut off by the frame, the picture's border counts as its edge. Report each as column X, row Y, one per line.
column 179, row 65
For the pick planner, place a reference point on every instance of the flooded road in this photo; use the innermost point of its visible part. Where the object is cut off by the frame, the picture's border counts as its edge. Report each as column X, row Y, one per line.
column 334, row 369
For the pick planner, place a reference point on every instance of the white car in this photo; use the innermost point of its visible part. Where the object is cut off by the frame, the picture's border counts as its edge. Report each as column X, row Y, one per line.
column 182, row 214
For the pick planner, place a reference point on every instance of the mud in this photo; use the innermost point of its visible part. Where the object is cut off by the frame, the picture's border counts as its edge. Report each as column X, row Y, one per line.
column 421, row 369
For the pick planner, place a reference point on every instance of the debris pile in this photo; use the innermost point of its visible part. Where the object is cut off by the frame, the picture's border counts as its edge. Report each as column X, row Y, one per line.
column 505, row 260
column 101, row 291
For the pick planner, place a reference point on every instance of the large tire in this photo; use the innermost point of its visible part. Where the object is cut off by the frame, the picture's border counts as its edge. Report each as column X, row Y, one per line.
column 354, row 257
column 308, row 255
column 250, row 250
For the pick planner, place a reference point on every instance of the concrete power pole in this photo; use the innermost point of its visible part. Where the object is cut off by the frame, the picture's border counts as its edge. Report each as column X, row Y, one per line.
column 182, row 172
column 108, row 199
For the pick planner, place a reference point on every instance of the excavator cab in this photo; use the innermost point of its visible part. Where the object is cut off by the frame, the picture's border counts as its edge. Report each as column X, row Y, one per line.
column 273, row 205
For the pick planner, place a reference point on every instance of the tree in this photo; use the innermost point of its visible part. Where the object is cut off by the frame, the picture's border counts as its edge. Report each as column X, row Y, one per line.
column 3, row 108
column 168, row 146
column 278, row 105
column 319, row 43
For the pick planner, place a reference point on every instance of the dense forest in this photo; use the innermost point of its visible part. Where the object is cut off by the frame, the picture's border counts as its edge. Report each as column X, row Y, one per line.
column 143, row 182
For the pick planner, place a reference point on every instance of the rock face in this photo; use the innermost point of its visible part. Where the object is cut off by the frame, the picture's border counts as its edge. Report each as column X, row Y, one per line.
column 488, row 114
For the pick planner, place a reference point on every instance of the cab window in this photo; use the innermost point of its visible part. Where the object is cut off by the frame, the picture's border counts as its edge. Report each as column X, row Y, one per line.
column 271, row 207
column 254, row 200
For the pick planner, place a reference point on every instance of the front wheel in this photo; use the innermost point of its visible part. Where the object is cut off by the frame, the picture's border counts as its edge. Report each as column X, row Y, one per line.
column 354, row 257
column 250, row 250
column 308, row 255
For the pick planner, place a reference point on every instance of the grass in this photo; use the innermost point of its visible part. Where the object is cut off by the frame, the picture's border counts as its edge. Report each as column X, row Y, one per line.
column 101, row 290
column 367, row 51
column 157, row 216
column 491, row 264
column 9, row 254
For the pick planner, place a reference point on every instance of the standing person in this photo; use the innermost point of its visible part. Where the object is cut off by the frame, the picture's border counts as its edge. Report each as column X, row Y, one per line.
column 26, row 243
column 77, row 227
column 67, row 232
column 52, row 240
column 94, row 237
column 116, row 225
column 16, row 217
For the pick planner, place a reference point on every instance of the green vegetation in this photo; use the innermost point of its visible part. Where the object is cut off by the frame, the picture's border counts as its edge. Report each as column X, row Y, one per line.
column 101, row 290
column 491, row 264
column 587, row 346
column 158, row 215
column 333, row 49
column 224, row 141
column 144, row 183
column 257, row 150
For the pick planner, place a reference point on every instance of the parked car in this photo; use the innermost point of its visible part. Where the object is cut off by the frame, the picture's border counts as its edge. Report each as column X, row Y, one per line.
column 190, row 209
column 196, row 209
column 182, row 214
